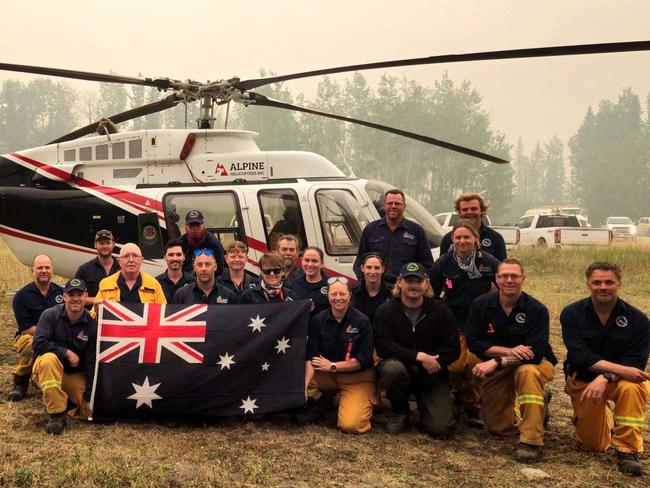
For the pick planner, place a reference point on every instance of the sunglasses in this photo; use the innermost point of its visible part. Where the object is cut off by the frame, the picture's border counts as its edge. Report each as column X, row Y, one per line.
column 207, row 252
column 340, row 279
column 269, row 271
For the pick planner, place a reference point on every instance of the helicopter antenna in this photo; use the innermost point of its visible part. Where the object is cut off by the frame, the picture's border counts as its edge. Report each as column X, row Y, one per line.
column 345, row 160
column 185, row 107
column 225, row 124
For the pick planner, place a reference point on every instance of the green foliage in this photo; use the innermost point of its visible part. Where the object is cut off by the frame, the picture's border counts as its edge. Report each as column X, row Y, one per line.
column 24, row 477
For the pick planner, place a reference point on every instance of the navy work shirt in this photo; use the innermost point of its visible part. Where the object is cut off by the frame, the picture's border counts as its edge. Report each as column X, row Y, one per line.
column 93, row 272
column 351, row 338
column 226, row 281
column 490, row 240
column 132, row 295
column 366, row 304
column 407, row 244
column 528, row 324
column 624, row 339
column 191, row 294
column 210, row 242
column 169, row 287
column 316, row 292
column 29, row 304
column 256, row 294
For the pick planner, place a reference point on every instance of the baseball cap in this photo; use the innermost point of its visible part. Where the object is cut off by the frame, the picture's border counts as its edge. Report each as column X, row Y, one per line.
column 104, row 234
column 75, row 284
column 194, row 217
column 412, row 269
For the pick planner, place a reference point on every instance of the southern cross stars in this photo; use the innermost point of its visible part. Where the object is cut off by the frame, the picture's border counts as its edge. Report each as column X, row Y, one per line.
column 283, row 345
column 249, row 405
column 257, row 323
column 226, row 360
column 145, row 393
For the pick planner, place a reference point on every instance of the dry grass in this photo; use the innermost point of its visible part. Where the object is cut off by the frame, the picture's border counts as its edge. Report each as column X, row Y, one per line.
column 272, row 452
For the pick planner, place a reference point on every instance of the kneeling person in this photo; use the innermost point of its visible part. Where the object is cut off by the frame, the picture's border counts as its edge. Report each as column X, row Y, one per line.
column 509, row 330
column 339, row 359
column 205, row 288
column 64, row 344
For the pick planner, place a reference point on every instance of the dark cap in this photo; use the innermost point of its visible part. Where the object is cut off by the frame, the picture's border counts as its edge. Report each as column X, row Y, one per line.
column 75, row 284
column 412, row 269
column 194, row 217
column 104, row 234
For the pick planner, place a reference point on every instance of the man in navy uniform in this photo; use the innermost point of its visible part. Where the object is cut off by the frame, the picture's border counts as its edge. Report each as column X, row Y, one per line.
column 197, row 237
column 205, row 289
column 98, row 268
column 174, row 278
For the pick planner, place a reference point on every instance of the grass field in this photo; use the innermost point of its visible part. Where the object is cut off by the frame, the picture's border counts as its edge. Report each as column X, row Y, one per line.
column 272, row 452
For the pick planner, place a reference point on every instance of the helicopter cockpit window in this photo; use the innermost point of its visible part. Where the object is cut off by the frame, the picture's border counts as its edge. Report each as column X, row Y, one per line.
column 86, row 154
column 341, row 221
column 119, row 150
column 220, row 210
column 281, row 211
column 135, row 148
column 101, row 152
column 69, row 155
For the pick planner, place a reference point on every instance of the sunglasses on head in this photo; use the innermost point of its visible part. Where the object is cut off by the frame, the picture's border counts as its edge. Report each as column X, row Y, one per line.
column 207, row 252
column 269, row 271
column 340, row 279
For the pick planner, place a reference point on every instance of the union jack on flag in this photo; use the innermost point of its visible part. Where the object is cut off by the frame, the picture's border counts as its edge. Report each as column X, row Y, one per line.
column 150, row 332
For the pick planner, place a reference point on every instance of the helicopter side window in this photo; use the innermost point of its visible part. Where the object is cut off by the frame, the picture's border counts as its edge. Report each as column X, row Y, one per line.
column 119, row 150
column 101, row 152
column 135, row 148
column 341, row 221
column 220, row 209
column 69, row 155
column 86, row 154
column 282, row 215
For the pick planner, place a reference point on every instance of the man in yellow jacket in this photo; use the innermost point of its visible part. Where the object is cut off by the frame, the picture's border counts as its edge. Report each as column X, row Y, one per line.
column 130, row 284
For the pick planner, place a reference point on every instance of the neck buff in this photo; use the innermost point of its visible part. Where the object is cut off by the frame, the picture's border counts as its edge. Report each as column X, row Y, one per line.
column 467, row 264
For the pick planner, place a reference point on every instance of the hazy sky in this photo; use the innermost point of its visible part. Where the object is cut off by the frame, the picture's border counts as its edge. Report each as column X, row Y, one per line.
column 211, row 40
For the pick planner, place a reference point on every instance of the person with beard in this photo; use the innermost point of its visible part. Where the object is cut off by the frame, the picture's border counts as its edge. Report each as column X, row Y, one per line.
column 29, row 303
column 288, row 247
column 235, row 277
column 197, row 237
column 100, row 267
column 312, row 283
column 204, row 289
column 174, row 278
column 270, row 289
column 371, row 291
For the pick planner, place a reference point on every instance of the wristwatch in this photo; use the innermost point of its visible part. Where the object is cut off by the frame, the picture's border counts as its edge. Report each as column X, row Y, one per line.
column 608, row 376
column 499, row 361
column 333, row 368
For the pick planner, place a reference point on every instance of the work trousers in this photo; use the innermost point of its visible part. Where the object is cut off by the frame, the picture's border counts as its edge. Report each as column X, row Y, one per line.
column 465, row 386
column 357, row 396
column 431, row 392
column 58, row 386
column 597, row 426
column 23, row 346
column 512, row 401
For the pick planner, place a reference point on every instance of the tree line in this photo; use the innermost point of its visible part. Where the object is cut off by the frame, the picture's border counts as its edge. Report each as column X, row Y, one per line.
column 609, row 156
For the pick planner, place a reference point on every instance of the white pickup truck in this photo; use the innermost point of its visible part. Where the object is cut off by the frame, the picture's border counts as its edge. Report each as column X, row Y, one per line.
column 510, row 234
column 557, row 230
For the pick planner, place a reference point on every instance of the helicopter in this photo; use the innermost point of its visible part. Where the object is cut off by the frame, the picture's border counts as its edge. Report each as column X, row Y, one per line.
column 140, row 184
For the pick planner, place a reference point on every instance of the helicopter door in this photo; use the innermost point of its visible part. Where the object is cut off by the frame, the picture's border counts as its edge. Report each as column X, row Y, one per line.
column 281, row 213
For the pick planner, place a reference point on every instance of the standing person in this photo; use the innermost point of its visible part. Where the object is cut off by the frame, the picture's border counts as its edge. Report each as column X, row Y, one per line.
column 288, row 246
column 103, row 265
column 235, row 277
column 472, row 206
column 312, row 283
column 270, row 289
column 416, row 339
column 205, row 289
column 197, row 237
column 174, row 278
column 371, row 291
column 459, row 276
column 130, row 284
column 64, row 344
column 397, row 239
column 607, row 342
column 509, row 330
column 339, row 359
column 29, row 303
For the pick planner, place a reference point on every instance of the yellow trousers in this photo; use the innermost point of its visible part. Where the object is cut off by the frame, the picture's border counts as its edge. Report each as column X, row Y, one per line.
column 597, row 426
column 358, row 395
column 23, row 346
column 512, row 400
column 58, row 386
column 465, row 386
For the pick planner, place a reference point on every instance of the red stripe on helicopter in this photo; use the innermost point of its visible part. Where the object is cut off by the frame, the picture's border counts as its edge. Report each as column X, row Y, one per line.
column 40, row 240
column 136, row 201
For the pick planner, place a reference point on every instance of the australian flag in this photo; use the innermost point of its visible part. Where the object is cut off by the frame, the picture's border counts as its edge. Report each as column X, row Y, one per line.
column 199, row 360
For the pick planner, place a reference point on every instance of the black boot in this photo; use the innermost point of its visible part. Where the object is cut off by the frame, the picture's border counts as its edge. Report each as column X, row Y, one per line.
column 312, row 413
column 21, row 383
column 56, row 423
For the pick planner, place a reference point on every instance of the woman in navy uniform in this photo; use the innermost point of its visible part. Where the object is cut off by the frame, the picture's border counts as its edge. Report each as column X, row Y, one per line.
column 312, row 284
column 372, row 290
column 270, row 288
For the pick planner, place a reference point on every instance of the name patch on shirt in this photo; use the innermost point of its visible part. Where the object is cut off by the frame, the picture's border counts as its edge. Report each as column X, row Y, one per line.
column 351, row 330
column 409, row 236
column 81, row 336
column 220, row 299
column 621, row 321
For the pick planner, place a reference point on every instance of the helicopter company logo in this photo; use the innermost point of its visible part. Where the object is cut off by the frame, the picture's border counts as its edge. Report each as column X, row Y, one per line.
column 59, row 299
column 412, row 267
column 520, row 318
column 220, row 170
column 486, row 242
column 323, row 290
column 621, row 321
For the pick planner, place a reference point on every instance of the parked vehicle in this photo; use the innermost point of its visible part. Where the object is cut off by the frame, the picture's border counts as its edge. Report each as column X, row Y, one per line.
column 643, row 227
column 510, row 234
column 621, row 227
column 559, row 230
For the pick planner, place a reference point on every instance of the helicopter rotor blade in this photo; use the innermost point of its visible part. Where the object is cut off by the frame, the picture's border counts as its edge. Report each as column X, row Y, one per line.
column 261, row 100
column 150, row 108
column 161, row 83
column 538, row 52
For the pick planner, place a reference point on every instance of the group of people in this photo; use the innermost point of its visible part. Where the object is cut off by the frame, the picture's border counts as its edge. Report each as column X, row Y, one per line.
column 459, row 334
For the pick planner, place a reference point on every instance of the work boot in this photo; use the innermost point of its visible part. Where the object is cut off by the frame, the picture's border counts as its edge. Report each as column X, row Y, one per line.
column 21, row 383
column 527, row 453
column 397, row 423
column 56, row 423
column 474, row 420
column 629, row 463
column 312, row 413
column 548, row 396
